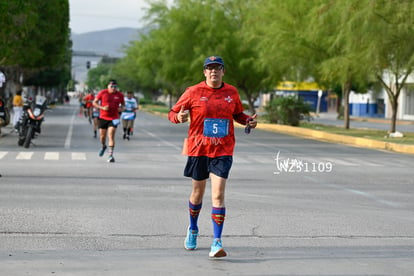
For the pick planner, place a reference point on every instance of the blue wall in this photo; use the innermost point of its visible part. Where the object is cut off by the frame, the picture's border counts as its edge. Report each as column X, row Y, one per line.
column 311, row 97
column 364, row 110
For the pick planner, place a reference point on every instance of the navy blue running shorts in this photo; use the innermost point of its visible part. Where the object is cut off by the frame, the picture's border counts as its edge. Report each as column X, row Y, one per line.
column 200, row 167
column 102, row 123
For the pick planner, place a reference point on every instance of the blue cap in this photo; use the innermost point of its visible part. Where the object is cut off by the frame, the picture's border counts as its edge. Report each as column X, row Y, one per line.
column 213, row 60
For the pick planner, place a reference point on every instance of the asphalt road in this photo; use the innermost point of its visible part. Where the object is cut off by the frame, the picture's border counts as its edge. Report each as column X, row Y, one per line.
column 294, row 206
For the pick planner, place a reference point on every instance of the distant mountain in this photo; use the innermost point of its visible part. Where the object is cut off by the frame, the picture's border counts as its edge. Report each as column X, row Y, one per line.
column 108, row 42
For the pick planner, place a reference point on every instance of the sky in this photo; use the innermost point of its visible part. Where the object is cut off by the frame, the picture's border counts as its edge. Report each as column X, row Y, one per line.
column 96, row 15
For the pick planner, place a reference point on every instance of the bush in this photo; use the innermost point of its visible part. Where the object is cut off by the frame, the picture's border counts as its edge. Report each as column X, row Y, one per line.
column 145, row 101
column 287, row 110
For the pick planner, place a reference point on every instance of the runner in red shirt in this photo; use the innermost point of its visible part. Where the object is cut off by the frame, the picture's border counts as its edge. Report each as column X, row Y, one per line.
column 212, row 106
column 110, row 102
column 88, row 99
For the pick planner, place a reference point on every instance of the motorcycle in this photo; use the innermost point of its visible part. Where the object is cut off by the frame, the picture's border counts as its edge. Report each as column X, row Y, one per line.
column 31, row 120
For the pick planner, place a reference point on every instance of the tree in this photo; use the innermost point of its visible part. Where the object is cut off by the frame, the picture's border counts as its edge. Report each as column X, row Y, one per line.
column 172, row 53
column 140, row 66
column 18, row 19
column 26, row 46
column 99, row 77
column 306, row 39
column 386, row 39
column 283, row 43
column 352, row 42
column 331, row 22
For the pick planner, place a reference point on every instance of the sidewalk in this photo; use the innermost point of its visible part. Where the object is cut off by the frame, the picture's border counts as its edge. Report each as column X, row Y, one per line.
column 358, row 122
column 330, row 119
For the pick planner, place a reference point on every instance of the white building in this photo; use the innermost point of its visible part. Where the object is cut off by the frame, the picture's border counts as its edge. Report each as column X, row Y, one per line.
column 405, row 101
column 377, row 104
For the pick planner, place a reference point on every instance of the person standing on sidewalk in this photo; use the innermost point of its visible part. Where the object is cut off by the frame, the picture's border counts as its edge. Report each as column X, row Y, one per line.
column 212, row 106
column 4, row 114
column 17, row 107
column 110, row 103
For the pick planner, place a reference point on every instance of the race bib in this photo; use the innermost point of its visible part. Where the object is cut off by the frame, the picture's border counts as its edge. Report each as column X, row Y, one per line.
column 115, row 122
column 216, row 127
column 128, row 116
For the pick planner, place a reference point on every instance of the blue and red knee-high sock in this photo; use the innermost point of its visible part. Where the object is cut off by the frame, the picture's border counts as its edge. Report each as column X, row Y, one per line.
column 217, row 216
column 194, row 213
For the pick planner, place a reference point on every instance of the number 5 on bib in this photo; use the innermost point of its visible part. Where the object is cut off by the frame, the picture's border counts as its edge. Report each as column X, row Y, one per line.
column 216, row 127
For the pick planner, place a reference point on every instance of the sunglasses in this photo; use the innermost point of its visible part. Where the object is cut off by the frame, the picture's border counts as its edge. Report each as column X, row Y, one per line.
column 113, row 86
column 212, row 67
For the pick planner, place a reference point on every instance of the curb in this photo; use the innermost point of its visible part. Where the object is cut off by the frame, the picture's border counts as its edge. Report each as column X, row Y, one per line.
column 342, row 139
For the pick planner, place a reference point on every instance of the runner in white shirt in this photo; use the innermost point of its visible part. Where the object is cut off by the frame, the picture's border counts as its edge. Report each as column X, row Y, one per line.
column 129, row 114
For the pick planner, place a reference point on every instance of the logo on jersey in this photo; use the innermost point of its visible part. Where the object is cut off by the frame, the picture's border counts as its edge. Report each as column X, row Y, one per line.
column 228, row 99
column 203, row 99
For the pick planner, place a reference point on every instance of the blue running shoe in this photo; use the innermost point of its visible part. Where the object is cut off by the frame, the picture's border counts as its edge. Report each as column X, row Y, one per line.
column 217, row 250
column 190, row 242
column 102, row 151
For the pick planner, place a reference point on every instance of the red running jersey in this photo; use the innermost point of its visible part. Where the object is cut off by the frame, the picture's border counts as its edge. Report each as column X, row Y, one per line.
column 113, row 100
column 88, row 99
column 212, row 111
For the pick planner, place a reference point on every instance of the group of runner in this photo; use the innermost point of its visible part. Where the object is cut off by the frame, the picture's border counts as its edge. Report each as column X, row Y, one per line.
column 212, row 106
column 106, row 110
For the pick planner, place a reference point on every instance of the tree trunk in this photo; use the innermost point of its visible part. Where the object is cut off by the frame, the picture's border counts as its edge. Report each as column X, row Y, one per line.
column 338, row 104
column 394, row 106
column 251, row 106
column 393, row 95
column 346, row 92
column 170, row 103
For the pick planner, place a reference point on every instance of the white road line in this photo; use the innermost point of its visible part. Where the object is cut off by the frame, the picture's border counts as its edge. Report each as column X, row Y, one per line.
column 78, row 156
column 2, row 154
column 358, row 192
column 24, row 155
column 262, row 159
column 241, row 160
column 162, row 140
column 68, row 139
column 51, row 156
column 338, row 161
column 373, row 197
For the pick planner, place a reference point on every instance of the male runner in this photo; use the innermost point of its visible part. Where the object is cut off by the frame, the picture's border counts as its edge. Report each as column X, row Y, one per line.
column 212, row 106
column 110, row 102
